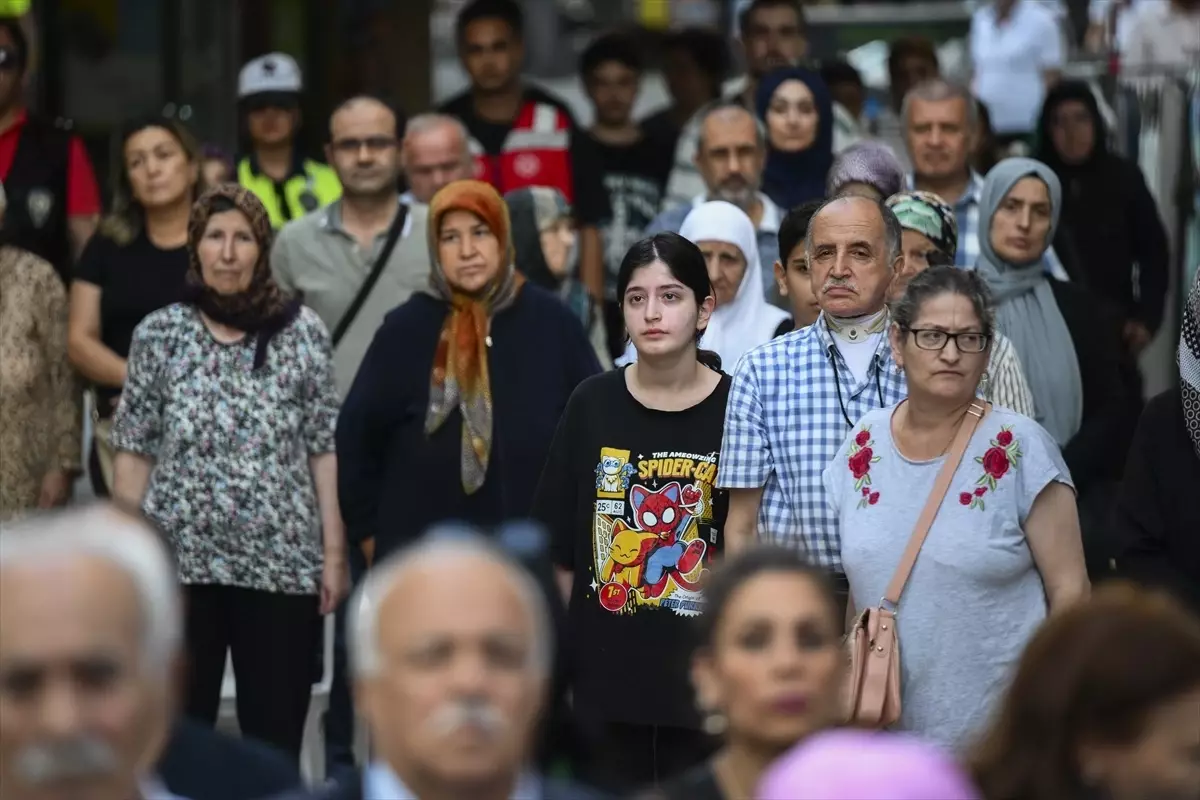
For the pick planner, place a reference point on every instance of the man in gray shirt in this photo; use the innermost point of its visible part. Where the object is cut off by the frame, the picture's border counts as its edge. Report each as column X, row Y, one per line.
column 327, row 256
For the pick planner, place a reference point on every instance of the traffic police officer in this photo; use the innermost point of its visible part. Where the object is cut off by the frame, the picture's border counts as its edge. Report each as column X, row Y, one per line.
column 288, row 184
column 53, row 200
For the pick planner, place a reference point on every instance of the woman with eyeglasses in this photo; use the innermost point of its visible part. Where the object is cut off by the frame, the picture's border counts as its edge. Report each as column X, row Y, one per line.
column 1004, row 549
column 929, row 234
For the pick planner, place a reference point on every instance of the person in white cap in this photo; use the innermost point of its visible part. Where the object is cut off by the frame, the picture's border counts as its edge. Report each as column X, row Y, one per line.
column 288, row 184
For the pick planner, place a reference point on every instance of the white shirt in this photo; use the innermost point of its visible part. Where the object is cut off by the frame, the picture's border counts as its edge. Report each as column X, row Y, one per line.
column 1162, row 38
column 1098, row 11
column 1009, row 59
column 381, row 783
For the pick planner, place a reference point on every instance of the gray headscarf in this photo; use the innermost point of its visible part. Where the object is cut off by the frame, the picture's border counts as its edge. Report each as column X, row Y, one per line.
column 1189, row 364
column 1026, row 311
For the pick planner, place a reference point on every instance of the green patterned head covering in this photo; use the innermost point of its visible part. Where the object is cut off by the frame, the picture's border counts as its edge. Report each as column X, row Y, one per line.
column 928, row 214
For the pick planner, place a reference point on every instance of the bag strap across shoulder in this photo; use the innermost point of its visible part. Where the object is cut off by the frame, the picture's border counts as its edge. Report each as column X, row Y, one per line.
column 975, row 414
column 364, row 291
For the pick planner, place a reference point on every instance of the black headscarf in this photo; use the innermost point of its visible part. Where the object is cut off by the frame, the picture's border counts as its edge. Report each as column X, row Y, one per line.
column 1108, row 215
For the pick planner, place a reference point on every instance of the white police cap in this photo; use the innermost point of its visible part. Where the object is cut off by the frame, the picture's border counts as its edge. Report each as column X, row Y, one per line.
column 274, row 72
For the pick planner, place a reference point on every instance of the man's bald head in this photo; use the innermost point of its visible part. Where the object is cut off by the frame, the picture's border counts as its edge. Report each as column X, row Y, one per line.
column 436, row 153
column 89, row 633
column 365, row 104
column 853, row 250
column 125, row 542
column 450, row 646
column 730, row 154
column 443, row 554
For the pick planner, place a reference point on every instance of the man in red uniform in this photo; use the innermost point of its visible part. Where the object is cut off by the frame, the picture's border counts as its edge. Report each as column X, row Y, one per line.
column 522, row 136
column 53, row 200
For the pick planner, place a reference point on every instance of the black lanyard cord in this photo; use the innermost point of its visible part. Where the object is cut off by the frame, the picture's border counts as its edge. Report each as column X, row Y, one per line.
column 837, row 383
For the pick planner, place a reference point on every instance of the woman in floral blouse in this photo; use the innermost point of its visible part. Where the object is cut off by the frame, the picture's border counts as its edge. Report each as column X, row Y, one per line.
column 225, row 437
column 1004, row 549
column 40, row 409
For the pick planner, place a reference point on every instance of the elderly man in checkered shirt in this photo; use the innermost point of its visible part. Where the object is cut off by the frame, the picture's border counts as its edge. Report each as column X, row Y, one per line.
column 795, row 399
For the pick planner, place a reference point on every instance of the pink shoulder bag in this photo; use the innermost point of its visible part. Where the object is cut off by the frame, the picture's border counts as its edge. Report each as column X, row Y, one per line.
column 873, row 686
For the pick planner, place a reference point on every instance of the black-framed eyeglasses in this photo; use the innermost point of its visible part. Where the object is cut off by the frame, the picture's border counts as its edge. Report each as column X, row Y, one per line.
column 967, row 342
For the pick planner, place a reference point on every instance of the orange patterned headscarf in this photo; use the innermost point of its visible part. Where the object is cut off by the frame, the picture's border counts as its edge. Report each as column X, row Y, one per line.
column 460, row 365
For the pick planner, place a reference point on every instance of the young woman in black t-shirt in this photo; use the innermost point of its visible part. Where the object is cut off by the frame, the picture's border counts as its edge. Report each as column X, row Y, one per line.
column 629, row 496
column 136, row 262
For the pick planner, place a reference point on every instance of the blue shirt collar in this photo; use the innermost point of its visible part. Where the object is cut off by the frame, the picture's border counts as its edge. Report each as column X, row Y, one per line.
column 381, row 783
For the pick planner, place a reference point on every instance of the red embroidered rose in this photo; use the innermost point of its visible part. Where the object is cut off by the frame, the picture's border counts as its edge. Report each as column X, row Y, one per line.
column 980, row 491
column 1004, row 438
column 874, row 498
column 860, row 462
column 995, row 462
column 965, row 498
column 862, row 438
column 866, row 491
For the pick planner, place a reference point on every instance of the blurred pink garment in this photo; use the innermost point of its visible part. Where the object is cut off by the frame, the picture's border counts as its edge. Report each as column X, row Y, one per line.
column 865, row 765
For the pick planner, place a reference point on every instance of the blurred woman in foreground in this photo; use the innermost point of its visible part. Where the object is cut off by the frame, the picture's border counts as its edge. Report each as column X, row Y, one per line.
column 1105, row 704
column 768, row 670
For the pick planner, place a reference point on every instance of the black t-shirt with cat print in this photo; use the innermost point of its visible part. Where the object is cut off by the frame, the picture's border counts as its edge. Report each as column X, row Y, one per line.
column 629, row 496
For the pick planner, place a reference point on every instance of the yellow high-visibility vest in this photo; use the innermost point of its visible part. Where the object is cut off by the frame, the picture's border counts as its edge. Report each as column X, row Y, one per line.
column 317, row 186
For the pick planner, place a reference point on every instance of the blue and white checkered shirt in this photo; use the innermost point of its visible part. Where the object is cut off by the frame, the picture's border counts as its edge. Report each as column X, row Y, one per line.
column 785, row 422
column 966, row 214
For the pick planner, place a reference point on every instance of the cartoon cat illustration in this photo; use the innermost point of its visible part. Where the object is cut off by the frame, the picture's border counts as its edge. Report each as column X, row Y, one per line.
column 627, row 554
column 613, row 471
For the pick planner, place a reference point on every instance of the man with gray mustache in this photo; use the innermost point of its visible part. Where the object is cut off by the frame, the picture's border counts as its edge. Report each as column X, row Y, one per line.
column 90, row 627
column 451, row 650
column 795, row 399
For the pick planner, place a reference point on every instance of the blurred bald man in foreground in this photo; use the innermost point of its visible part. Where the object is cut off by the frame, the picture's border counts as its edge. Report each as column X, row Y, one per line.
column 90, row 627
column 451, row 648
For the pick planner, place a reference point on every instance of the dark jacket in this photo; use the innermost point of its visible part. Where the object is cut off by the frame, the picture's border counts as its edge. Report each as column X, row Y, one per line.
column 394, row 480
column 1157, row 520
column 1111, row 388
column 200, row 763
column 1109, row 217
column 551, row 790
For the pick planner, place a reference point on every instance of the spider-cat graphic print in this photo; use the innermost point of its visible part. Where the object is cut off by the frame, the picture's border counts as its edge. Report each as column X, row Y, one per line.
column 652, row 537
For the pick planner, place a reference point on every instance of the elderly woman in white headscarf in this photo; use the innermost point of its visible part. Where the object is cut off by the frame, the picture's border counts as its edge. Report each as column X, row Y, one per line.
column 40, row 398
column 743, row 318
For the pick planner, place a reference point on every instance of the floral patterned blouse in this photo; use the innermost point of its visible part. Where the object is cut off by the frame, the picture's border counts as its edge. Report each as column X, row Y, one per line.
column 40, row 398
column 231, row 482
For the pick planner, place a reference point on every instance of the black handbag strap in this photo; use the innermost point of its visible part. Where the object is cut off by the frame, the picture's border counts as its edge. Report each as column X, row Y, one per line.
column 364, row 291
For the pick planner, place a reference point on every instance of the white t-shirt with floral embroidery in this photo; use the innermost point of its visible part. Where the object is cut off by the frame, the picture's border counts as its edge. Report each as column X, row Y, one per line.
column 975, row 597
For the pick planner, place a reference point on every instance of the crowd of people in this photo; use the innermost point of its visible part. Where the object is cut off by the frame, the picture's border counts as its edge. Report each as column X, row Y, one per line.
column 614, row 433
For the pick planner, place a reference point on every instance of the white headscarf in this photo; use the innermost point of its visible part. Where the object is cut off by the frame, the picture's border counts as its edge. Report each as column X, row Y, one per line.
column 749, row 320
